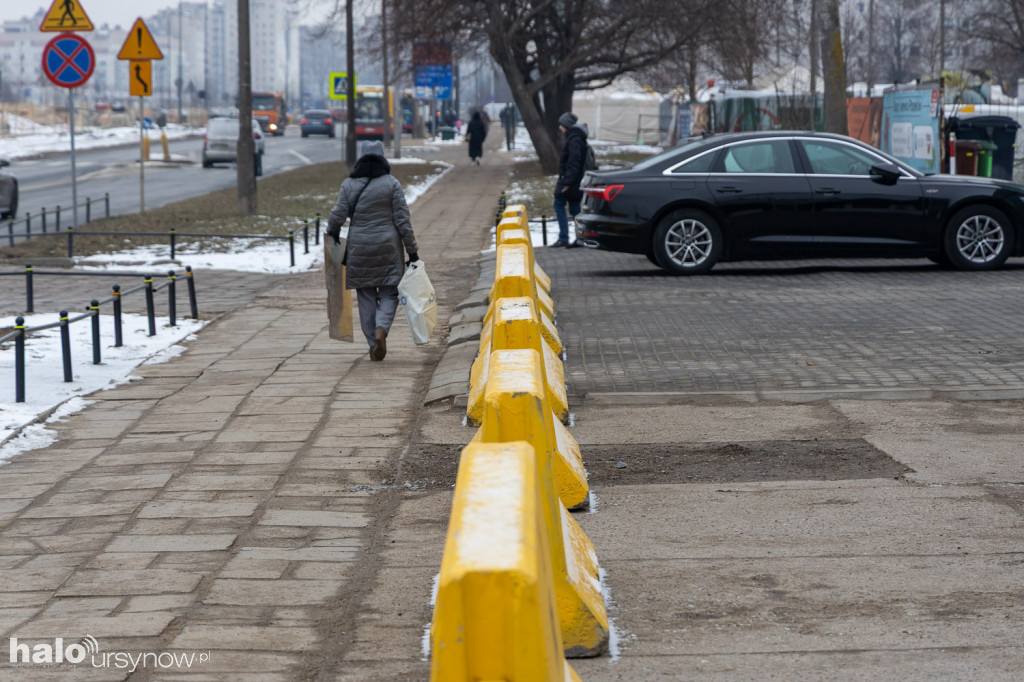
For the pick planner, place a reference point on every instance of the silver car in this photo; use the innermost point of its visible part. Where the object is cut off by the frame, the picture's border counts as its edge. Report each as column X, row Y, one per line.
column 220, row 144
column 8, row 193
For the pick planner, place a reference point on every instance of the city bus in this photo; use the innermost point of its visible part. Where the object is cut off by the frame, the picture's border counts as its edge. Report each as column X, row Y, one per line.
column 268, row 108
column 370, row 111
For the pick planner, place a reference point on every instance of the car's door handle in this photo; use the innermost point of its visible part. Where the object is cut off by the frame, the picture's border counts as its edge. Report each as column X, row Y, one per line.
column 828, row 191
column 728, row 190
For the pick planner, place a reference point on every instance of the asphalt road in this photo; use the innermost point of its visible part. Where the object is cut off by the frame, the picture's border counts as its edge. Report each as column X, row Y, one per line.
column 47, row 182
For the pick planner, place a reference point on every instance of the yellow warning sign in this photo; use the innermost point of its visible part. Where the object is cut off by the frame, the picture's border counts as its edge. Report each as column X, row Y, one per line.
column 66, row 16
column 140, row 77
column 139, row 43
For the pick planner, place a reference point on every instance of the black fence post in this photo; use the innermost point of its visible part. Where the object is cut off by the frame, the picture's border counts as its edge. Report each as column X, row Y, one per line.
column 149, row 306
column 544, row 229
column 118, row 338
column 65, row 346
column 71, row 242
column 305, row 236
column 10, row 231
column 19, row 360
column 291, row 246
column 42, row 212
column 193, row 306
column 503, row 202
column 316, row 237
column 172, row 298
column 173, row 240
column 88, row 210
column 30, row 299
column 58, row 217
column 94, row 307
column 28, row 230
column 28, row 221
column 106, row 199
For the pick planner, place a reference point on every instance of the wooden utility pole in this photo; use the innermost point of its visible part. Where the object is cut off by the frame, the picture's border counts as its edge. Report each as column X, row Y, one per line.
column 350, row 65
column 246, row 145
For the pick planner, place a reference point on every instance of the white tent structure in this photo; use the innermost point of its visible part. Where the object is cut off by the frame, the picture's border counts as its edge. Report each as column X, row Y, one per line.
column 623, row 112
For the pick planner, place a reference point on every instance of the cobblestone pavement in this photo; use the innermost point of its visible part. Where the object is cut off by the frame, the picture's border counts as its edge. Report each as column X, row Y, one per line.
column 230, row 501
column 769, row 329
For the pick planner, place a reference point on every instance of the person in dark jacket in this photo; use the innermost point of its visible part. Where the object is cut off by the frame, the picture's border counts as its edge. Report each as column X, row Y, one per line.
column 570, row 173
column 476, row 131
column 380, row 226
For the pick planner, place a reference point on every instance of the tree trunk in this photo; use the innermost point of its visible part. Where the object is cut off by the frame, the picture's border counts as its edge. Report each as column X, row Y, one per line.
column 533, row 117
column 246, row 145
column 833, row 69
column 350, row 67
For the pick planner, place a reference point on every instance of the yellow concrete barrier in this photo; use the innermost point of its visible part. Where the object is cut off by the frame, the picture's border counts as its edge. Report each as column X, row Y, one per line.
column 496, row 616
column 515, row 211
column 520, row 236
column 516, row 409
column 515, row 324
column 513, row 276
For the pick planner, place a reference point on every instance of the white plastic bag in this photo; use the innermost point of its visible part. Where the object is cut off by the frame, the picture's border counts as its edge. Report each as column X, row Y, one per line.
column 417, row 296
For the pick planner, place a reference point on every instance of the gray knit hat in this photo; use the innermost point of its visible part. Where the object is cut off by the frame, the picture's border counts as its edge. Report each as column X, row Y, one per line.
column 567, row 120
column 371, row 147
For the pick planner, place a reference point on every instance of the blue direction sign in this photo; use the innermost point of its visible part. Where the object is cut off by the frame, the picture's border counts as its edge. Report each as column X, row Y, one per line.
column 430, row 76
column 68, row 60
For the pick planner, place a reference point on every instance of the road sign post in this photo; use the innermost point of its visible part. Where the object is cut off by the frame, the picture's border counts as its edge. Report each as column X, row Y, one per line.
column 138, row 49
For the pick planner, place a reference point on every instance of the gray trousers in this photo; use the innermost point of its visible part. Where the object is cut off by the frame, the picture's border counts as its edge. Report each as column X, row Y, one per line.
column 377, row 306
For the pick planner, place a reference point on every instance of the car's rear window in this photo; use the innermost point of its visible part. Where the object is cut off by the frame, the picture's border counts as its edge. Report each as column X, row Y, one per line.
column 225, row 128
column 318, row 115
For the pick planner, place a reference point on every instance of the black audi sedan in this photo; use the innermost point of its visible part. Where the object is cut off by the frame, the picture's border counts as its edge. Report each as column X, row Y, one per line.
column 788, row 195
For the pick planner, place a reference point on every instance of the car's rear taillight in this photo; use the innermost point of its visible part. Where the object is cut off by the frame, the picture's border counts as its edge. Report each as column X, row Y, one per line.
column 606, row 193
column 255, row 136
column 327, row 121
column 303, row 121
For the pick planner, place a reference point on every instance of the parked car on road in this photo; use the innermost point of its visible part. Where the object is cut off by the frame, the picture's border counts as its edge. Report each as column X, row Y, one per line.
column 8, row 193
column 317, row 122
column 788, row 195
column 220, row 143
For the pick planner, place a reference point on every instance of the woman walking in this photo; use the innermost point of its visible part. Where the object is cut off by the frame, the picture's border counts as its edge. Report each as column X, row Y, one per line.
column 476, row 131
column 373, row 201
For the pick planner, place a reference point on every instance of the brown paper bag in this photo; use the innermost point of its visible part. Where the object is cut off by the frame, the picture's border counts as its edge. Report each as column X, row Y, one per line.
column 339, row 299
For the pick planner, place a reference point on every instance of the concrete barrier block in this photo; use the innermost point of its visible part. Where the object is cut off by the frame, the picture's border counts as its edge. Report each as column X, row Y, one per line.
column 513, row 276
column 522, row 236
column 496, row 614
column 516, row 409
column 507, row 224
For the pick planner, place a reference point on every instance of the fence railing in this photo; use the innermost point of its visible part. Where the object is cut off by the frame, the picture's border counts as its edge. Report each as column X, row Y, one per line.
column 172, row 236
column 27, row 220
column 21, row 332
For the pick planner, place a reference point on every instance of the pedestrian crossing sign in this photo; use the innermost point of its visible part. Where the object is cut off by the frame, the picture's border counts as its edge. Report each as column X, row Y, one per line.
column 66, row 16
column 341, row 85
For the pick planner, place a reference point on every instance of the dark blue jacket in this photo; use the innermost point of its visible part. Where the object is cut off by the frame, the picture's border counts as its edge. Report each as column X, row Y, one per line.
column 570, row 165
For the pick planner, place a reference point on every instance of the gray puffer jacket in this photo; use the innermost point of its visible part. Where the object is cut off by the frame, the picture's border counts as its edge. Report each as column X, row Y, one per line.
column 380, row 226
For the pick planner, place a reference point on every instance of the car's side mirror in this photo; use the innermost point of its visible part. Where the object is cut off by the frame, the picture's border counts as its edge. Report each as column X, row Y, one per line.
column 4, row 163
column 885, row 173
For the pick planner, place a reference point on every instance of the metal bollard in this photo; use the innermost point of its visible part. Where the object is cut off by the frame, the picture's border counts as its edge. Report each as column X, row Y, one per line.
column 10, row 231
column 118, row 338
column 291, row 246
column 305, row 236
column 94, row 306
column 30, row 301
column 88, row 210
column 58, row 217
column 65, row 346
column 149, row 306
column 316, row 236
column 106, row 199
column 172, row 298
column 544, row 229
column 42, row 212
column 28, row 230
column 71, row 242
column 173, row 242
column 28, row 221
column 19, row 360
column 194, row 308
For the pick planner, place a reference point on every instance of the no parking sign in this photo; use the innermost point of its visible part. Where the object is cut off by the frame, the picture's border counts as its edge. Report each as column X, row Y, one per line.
column 68, row 60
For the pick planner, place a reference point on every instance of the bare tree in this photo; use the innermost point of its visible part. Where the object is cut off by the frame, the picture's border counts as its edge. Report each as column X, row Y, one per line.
column 246, row 145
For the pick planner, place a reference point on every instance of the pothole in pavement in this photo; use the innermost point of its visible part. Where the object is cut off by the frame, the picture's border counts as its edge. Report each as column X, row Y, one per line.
column 435, row 466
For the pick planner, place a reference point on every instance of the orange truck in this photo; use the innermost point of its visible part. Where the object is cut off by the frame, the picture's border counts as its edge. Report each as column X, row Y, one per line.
column 268, row 108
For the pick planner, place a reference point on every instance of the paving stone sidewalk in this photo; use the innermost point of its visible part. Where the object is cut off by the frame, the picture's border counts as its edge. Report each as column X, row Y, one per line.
column 229, row 502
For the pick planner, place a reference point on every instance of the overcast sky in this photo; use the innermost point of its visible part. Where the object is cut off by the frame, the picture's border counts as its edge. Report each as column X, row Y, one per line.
column 114, row 12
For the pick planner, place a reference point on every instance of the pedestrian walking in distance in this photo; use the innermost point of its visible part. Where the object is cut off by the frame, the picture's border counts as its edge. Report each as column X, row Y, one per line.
column 570, row 173
column 379, row 226
column 476, row 131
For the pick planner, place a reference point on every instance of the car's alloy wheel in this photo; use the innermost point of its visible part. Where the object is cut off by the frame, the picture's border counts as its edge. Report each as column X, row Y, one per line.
column 978, row 238
column 687, row 242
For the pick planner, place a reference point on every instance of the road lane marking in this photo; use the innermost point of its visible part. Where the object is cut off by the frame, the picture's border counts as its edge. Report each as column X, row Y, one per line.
column 302, row 158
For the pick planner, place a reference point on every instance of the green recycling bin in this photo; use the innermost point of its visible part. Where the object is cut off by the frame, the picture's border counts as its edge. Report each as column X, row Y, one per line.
column 447, row 132
column 986, row 154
